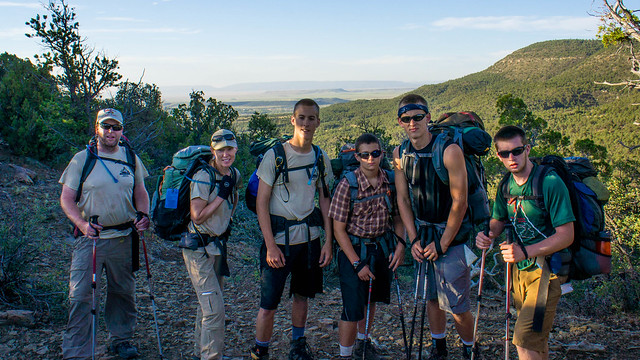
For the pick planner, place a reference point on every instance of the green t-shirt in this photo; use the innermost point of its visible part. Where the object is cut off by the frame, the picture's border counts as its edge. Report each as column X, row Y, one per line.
column 529, row 221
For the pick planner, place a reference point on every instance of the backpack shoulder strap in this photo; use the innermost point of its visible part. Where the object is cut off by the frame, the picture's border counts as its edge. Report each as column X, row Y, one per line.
column 353, row 188
column 89, row 163
column 438, row 157
column 321, row 169
column 538, row 193
column 281, row 162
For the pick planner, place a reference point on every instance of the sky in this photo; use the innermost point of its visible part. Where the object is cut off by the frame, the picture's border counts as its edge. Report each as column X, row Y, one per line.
column 220, row 43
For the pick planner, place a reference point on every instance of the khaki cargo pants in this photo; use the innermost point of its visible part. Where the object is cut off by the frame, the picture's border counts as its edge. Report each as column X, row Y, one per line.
column 114, row 256
column 209, row 329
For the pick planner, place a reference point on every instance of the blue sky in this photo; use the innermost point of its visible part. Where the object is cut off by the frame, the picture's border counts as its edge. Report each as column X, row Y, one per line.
column 219, row 43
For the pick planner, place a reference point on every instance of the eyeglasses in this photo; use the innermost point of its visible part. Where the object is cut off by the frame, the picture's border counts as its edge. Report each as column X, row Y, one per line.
column 365, row 155
column 415, row 118
column 114, row 127
column 223, row 137
column 517, row 151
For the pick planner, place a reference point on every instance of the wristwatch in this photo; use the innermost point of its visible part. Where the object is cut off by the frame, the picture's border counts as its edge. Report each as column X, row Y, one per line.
column 356, row 264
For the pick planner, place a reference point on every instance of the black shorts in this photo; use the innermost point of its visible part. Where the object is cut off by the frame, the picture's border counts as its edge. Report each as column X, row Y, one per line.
column 302, row 264
column 355, row 292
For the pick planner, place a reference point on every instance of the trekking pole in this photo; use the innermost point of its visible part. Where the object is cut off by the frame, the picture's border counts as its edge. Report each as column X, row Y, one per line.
column 424, row 308
column 474, row 349
column 366, row 327
column 404, row 330
column 415, row 306
column 151, row 292
column 93, row 220
column 508, row 295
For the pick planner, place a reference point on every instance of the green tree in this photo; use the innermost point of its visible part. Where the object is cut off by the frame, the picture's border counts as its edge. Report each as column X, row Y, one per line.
column 84, row 73
column 32, row 113
column 260, row 125
column 201, row 118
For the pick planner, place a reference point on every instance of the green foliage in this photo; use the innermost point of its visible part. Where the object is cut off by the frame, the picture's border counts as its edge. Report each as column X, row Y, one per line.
column 32, row 108
column 198, row 120
column 261, row 126
column 84, row 75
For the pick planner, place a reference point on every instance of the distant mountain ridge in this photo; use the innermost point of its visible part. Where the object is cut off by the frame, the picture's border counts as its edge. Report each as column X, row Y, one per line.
column 556, row 79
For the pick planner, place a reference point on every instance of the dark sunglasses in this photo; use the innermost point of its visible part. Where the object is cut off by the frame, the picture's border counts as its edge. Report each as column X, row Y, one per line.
column 223, row 137
column 415, row 118
column 517, row 151
column 114, row 127
column 365, row 155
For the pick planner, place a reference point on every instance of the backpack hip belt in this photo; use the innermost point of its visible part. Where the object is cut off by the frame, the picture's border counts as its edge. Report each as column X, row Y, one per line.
column 203, row 240
column 135, row 242
column 383, row 241
column 280, row 223
column 430, row 232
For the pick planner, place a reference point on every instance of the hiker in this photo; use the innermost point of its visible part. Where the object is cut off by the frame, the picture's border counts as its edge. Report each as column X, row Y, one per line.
column 290, row 226
column 204, row 246
column 441, row 223
column 113, row 192
column 365, row 230
column 537, row 236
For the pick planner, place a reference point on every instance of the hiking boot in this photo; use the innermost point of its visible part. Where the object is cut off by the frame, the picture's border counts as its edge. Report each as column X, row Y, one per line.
column 125, row 350
column 300, row 350
column 437, row 355
column 257, row 353
column 370, row 351
column 467, row 350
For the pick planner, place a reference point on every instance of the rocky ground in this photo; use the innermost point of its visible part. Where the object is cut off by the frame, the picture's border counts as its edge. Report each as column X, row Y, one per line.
column 575, row 336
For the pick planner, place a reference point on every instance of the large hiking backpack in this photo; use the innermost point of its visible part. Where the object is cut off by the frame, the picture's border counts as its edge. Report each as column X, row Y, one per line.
column 259, row 147
column 591, row 247
column 465, row 129
column 170, row 207
column 93, row 156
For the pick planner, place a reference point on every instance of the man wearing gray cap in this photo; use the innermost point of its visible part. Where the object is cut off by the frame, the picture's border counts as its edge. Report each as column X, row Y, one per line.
column 213, row 199
column 103, row 195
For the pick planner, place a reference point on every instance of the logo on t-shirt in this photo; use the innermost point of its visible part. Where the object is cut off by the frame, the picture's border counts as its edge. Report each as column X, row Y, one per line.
column 125, row 172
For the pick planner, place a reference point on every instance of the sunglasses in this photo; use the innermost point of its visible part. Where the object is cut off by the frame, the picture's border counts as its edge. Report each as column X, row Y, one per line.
column 365, row 155
column 517, row 151
column 415, row 118
column 114, row 127
column 223, row 137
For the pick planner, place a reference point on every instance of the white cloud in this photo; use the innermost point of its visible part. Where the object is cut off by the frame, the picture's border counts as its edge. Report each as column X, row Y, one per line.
column 519, row 23
column 387, row 60
column 34, row 5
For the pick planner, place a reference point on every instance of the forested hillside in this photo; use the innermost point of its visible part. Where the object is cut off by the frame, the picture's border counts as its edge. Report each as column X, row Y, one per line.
column 556, row 79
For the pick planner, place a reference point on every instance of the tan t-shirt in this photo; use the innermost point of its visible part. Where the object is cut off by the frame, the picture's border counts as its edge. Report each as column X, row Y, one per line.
column 101, row 194
column 295, row 199
column 218, row 222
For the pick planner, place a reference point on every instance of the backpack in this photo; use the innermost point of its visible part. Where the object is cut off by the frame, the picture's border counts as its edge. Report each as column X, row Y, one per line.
column 170, row 207
column 259, row 147
column 591, row 247
column 465, row 129
column 93, row 156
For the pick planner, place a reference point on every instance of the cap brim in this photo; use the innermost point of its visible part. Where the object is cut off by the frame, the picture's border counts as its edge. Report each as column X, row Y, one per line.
column 224, row 143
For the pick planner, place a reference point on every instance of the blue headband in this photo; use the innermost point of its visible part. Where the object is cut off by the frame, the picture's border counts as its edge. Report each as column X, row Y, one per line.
column 409, row 107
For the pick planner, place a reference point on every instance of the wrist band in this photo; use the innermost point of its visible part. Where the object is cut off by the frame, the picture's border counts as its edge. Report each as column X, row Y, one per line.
column 360, row 266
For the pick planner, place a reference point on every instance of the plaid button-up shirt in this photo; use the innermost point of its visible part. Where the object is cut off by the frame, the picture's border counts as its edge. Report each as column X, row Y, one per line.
column 369, row 219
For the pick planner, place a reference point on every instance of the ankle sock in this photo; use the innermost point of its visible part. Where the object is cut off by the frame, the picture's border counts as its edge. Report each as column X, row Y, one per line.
column 346, row 350
column 297, row 332
column 262, row 347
